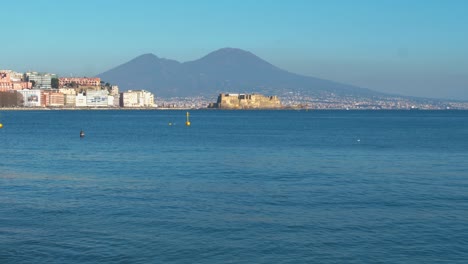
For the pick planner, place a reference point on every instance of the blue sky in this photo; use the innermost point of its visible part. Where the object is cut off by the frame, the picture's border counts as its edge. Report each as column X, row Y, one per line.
column 414, row 47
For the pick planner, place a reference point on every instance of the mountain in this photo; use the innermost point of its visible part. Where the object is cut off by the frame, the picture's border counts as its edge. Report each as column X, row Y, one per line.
column 224, row 70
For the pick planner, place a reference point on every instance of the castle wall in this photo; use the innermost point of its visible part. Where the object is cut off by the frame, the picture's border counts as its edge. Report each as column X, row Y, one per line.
column 247, row 101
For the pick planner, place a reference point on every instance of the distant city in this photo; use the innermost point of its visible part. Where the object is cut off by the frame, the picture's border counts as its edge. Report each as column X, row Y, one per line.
column 35, row 90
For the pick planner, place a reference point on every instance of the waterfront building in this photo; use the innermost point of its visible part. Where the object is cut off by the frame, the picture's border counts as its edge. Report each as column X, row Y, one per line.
column 79, row 81
column 70, row 100
column 31, row 98
column 137, row 98
column 44, row 99
column 57, row 99
column 97, row 98
column 110, row 101
column 116, row 100
column 80, row 100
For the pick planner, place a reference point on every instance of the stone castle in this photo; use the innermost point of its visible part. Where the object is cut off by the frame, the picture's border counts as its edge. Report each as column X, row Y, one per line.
column 246, row 101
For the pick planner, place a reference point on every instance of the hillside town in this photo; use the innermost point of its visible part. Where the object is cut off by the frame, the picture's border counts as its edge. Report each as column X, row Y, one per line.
column 45, row 90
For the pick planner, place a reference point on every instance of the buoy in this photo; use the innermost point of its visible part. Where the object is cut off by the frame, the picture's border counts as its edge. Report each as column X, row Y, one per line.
column 188, row 122
column 1, row 125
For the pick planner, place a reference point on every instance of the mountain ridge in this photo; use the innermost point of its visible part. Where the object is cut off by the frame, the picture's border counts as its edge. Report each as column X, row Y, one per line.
column 221, row 71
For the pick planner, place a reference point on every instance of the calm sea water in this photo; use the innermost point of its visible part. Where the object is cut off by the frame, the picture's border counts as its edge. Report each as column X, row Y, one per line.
column 235, row 187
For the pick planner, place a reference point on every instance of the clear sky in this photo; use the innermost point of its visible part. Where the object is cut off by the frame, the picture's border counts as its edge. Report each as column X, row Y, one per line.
column 409, row 47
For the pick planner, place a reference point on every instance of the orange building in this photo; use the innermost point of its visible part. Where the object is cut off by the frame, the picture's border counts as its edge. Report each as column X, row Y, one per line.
column 57, row 99
column 52, row 98
column 21, row 85
column 45, row 99
column 7, row 84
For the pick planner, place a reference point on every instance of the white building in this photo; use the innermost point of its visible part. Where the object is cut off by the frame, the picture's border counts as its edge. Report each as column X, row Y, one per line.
column 110, row 101
column 14, row 76
column 67, row 91
column 137, row 98
column 80, row 100
column 97, row 98
column 114, row 90
column 31, row 98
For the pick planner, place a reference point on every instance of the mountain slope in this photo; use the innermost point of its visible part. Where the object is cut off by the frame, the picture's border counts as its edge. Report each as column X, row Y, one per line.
column 224, row 70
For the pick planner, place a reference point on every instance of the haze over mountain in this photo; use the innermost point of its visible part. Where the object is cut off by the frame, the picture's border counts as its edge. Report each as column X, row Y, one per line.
column 225, row 70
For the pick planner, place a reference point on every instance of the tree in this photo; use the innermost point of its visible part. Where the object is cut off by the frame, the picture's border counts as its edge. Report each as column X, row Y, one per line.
column 54, row 83
column 33, row 83
column 10, row 99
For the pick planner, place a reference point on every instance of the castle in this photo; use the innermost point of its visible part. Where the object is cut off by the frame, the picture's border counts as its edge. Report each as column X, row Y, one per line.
column 246, row 101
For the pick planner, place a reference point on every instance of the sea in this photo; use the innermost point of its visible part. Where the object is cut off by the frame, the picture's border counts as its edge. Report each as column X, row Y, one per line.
column 234, row 186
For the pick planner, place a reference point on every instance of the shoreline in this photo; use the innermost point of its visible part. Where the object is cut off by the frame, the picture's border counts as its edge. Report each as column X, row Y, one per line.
column 210, row 109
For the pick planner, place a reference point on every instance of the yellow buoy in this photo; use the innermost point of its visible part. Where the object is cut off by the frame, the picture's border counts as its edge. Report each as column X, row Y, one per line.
column 188, row 122
column 1, row 125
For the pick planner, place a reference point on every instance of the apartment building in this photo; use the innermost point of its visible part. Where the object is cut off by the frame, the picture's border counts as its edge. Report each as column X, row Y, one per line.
column 137, row 98
column 31, row 98
column 41, row 80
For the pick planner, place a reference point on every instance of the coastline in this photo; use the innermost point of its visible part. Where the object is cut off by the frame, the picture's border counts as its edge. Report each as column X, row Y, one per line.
column 88, row 108
column 210, row 109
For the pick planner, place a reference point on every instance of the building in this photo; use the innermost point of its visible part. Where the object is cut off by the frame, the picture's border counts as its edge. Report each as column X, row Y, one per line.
column 5, row 81
column 40, row 80
column 70, row 100
column 10, row 80
column 110, row 101
column 31, row 98
column 114, row 90
column 16, row 76
column 97, row 98
column 246, row 101
column 137, row 98
column 79, row 81
column 80, row 100
column 21, row 85
column 116, row 100
column 56, row 99
column 44, row 99
column 69, row 91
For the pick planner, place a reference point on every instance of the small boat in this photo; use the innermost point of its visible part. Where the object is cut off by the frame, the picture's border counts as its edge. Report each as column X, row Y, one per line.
column 82, row 134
